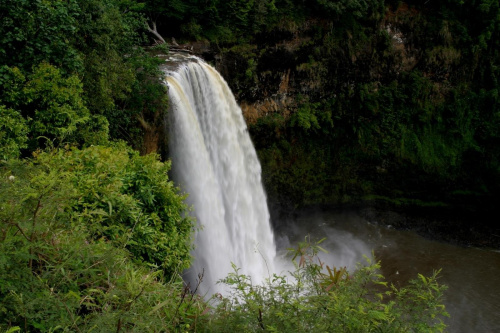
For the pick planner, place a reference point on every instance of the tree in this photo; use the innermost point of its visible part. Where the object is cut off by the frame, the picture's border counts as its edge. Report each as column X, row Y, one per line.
column 52, row 107
column 39, row 31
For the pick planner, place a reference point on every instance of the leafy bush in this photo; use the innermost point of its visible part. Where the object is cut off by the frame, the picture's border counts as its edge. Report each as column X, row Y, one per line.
column 13, row 130
column 127, row 199
column 91, row 239
column 312, row 300
column 55, row 102
column 69, row 66
column 51, row 107
column 32, row 32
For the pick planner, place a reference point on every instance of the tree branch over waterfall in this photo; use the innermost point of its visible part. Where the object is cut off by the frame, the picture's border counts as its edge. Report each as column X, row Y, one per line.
column 155, row 32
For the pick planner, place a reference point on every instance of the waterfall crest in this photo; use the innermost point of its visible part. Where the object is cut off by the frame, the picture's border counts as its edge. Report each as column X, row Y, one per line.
column 213, row 159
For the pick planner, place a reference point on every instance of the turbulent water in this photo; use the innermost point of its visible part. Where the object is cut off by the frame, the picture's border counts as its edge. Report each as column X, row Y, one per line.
column 471, row 275
column 214, row 160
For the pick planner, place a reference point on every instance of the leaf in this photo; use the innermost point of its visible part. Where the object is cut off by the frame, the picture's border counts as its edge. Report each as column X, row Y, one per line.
column 377, row 315
column 13, row 329
column 110, row 208
column 321, row 249
column 321, row 241
column 159, row 306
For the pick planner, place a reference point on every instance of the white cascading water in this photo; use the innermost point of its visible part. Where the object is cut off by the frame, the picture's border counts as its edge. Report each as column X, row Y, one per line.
column 214, row 161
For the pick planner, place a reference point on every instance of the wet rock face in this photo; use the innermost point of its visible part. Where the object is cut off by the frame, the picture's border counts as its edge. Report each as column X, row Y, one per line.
column 314, row 59
column 264, row 78
column 282, row 105
column 268, row 75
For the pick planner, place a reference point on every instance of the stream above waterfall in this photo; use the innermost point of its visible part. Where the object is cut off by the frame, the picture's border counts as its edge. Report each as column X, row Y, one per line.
column 472, row 275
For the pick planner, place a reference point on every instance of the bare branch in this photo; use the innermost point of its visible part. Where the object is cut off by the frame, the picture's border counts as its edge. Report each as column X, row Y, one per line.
column 155, row 32
column 20, row 229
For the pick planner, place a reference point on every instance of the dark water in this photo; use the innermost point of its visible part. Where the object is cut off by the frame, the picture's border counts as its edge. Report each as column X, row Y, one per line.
column 472, row 275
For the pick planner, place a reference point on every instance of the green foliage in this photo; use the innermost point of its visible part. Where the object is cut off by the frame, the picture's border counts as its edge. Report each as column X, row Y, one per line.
column 418, row 128
column 312, row 117
column 305, row 118
column 398, row 100
column 92, row 240
column 129, row 200
column 122, row 82
column 13, row 133
column 39, row 31
column 55, row 102
column 51, row 107
column 221, row 22
column 314, row 300
column 356, row 8
column 108, row 79
column 145, row 107
column 74, row 64
column 108, row 33
column 294, row 177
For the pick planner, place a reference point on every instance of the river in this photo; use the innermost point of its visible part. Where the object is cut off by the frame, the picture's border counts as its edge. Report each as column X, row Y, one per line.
column 472, row 275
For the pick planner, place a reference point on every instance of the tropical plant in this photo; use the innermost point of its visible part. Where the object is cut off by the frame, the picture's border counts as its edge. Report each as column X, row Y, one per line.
column 92, row 240
column 312, row 300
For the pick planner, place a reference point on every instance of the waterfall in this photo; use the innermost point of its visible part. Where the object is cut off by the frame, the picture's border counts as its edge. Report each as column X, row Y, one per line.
column 214, row 161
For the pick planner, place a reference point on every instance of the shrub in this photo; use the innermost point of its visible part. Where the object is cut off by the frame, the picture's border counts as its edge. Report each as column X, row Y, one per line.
column 13, row 130
column 315, row 300
column 92, row 240
column 129, row 200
